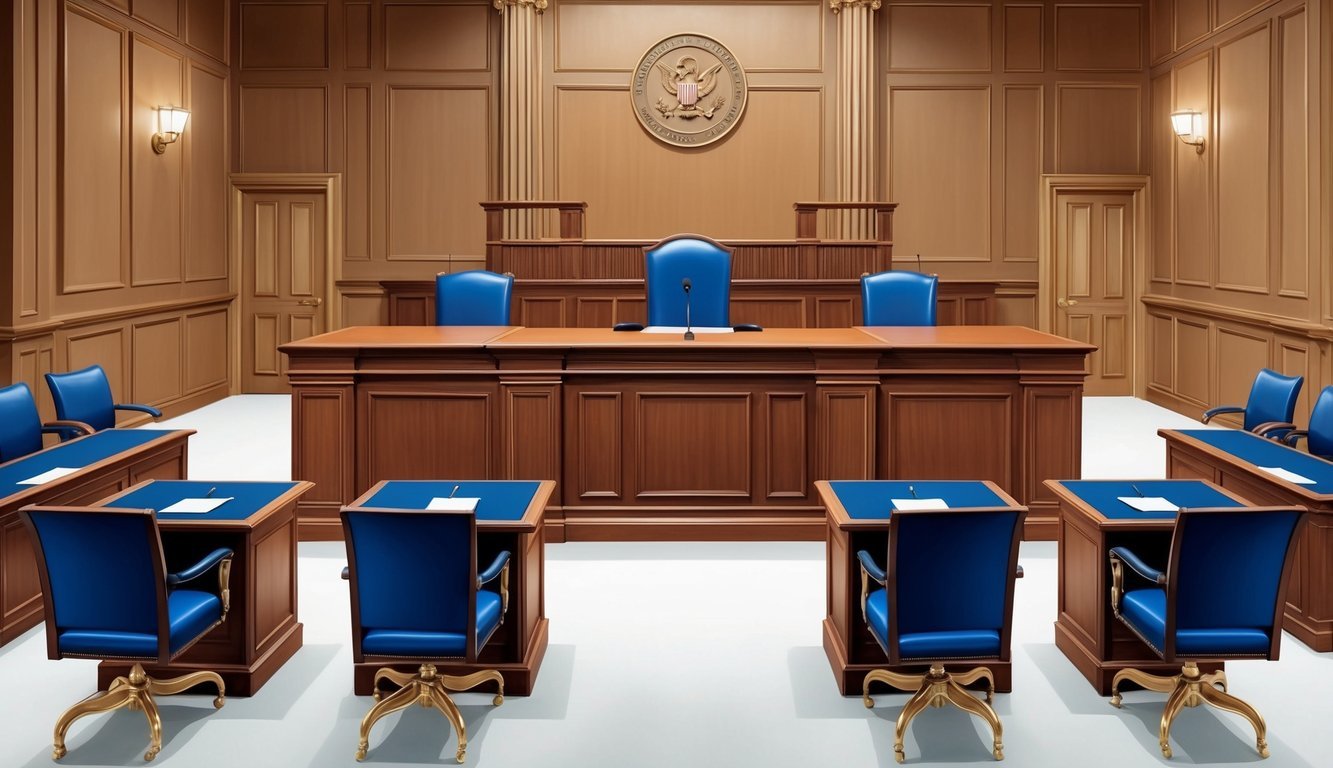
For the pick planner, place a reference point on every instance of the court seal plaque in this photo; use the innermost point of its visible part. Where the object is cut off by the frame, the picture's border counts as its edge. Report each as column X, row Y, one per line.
column 688, row 90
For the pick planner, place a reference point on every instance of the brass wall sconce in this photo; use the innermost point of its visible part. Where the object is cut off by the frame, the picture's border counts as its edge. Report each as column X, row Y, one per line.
column 170, row 125
column 1188, row 126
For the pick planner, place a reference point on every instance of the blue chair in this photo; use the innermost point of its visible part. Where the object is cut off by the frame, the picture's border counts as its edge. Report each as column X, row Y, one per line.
column 23, row 427
column 108, row 595
column 706, row 264
column 1272, row 402
column 85, row 396
column 1319, row 435
column 898, row 297
column 947, row 597
column 475, row 297
column 1220, row 597
column 391, row 623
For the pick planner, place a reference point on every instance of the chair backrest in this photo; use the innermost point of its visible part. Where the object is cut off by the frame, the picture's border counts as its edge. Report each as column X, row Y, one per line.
column 475, row 297
column 706, row 263
column 1320, row 441
column 392, row 567
column 1228, row 569
column 898, row 297
column 83, row 395
column 951, row 570
column 101, row 570
column 21, row 433
column 1272, row 398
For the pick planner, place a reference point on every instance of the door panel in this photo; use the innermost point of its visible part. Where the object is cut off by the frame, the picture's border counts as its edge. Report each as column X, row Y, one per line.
column 1094, row 260
column 284, row 257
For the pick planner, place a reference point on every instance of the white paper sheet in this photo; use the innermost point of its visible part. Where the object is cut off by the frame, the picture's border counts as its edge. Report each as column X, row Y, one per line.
column 197, row 506
column 1288, row 475
column 457, row 504
column 919, row 504
column 51, row 474
column 1149, row 503
column 681, row 329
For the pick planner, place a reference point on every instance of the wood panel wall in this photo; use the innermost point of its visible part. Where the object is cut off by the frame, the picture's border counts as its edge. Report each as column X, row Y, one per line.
column 116, row 255
column 1239, row 259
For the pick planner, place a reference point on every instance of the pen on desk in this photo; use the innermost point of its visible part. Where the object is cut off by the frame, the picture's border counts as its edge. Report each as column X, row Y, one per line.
column 455, row 490
column 911, row 490
column 1136, row 489
column 210, row 492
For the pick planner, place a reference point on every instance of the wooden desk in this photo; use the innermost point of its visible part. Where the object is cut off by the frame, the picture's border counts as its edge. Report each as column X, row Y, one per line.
column 1231, row 459
column 1086, row 629
column 259, row 525
column 653, row 437
column 851, row 650
column 519, row 644
column 109, row 461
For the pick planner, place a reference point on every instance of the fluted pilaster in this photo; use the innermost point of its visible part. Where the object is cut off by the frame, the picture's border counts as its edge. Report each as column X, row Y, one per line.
column 856, row 169
column 520, row 109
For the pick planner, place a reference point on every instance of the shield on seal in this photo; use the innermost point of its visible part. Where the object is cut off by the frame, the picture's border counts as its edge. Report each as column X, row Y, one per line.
column 687, row 94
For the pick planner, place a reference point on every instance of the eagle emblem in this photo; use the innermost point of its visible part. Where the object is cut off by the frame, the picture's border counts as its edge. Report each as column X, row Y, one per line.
column 688, row 88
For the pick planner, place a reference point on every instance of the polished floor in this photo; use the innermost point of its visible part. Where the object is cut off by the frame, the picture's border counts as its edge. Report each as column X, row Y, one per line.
column 675, row 654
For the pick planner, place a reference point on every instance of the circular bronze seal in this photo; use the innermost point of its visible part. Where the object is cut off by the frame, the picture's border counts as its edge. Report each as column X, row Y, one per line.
column 688, row 90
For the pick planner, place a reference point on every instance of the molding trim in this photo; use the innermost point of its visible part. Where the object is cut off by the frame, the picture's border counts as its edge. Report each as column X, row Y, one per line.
column 1305, row 328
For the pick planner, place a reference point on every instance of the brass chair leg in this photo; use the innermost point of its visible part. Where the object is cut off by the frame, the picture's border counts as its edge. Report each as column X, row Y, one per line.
column 1218, row 679
column 969, row 703
column 1158, row 683
column 154, row 724
column 400, row 699
column 468, row 682
column 899, row 680
column 105, row 701
column 400, row 679
column 973, row 675
column 1223, row 700
column 1174, row 703
column 185, row 682
column 429, row 689
column 914, row 706
column 450, row 711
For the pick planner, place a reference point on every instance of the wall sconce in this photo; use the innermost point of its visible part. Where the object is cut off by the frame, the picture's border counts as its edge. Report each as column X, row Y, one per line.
column 170, row 125
column 1188, row 125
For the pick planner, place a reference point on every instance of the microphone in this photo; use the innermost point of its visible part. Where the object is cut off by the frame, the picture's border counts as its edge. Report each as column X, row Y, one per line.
column 686, row 285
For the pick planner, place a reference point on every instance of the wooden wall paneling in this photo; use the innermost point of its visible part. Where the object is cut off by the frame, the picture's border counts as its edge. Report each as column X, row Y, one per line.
column 1053, row 431
column 1021, row 170
column 413, row 35
column 939, row 38
column 912, row 409
column 1097, row 127
column 429, row 431
column 207, row 27
column 362, row 305
column 356, row 164
column 205, row 139
column 1193, row 21
column 356, row 35
column 1193, row 346
column 283, row 128
column 1162, row 33
column 94, row 152
column 1192, row 182
column 1024, row 50
column 845, row 418
column 163, row 14
column 787, row 447
column 1241, row 149
column 207, row 349
column 157, row 237
column 693, row 445
column 1227, row 11
column 157, row 361
column 1162, row 142
column 284, row 36
column 104, row 345
column 1099, row 38
column 323, row 431
column 597, row 439
column 1293, row 168
column 532, row 429
column 1240, row 354
column 1161, row 352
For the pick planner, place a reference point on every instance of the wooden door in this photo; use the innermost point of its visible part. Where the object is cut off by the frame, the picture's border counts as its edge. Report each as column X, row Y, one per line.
column 1095, row 239
column 284, row 257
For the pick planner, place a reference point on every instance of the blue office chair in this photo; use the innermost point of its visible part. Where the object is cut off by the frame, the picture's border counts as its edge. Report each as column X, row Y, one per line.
column 23, row 427
column 391, row 623
column 898, row 297
column 1220, row 597
column 947, row 597
column 475, row 297
column 1272, row 402
column 1319, row 435
column 702, row 263
column 85, row 396
column 108, row 595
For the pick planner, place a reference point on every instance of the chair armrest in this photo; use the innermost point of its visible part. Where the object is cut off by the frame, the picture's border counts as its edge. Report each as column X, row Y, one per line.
column 1018, row 574
column 1138, row 566
column 1295, row 436
column 493, row 570
column 1264, row 430
column 148, row 409
column 627, row 327
column 747, row 328
column 199, row 568
column 871, row 569
column 347, row 573
column 1211, row 412
column 63, row 427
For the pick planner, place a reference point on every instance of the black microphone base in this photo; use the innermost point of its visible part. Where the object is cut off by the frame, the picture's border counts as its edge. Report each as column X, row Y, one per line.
column 689, row 335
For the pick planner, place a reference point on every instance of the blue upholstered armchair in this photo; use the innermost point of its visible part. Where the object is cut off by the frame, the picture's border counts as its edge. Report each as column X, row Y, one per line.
column 85, row 396
column 108, row 595
column 475, row 297
column 1272, row 402
column 898, row 297
column 1220, row 597
column 706, row 265
column 23, row 427
column 1319, row 435
column 946, row 597
column 393, row 624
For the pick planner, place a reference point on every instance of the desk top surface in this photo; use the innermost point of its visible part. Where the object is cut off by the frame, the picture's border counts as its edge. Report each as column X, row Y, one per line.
column 249, row 501
column 1246, row 448
column 501, row 503
column 80, row 453
column 968, row 336
column 870, row 502
column 1101, row 498
column 403, row 336
column 785, row 338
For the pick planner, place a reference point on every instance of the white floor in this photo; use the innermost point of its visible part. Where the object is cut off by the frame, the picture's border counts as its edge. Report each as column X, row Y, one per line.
column 682, row 654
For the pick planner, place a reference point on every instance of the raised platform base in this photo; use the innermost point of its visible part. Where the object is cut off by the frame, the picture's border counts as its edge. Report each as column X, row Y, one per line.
column 520, row 677
column 241, row 680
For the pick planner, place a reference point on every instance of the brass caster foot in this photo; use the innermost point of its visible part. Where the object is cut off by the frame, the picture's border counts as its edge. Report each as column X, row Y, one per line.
column 1115, row 699
column 219, row 701
column 869, row 702
column 999, row 753
column 1166, row 751
column 990, row 695
column 498, row 700
column 150, row 754
column 462, row 754
column 58, row 751
column 898, row 755
column 361, row 751
column 375, row 695
column 1263, row 748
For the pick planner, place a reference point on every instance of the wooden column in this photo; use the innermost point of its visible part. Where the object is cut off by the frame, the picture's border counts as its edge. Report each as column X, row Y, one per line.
column 520, row 112
column 856, row 112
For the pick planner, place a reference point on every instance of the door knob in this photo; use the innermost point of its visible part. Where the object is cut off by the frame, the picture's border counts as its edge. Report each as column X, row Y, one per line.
column 1063, row 302
column 317, row 301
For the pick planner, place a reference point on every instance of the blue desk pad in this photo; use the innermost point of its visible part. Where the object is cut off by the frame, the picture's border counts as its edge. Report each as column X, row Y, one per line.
column 870, row 499
column 1263, row 452
column 500, row 500
column 1103, row 496
column 75, row 454
column 247, row 498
